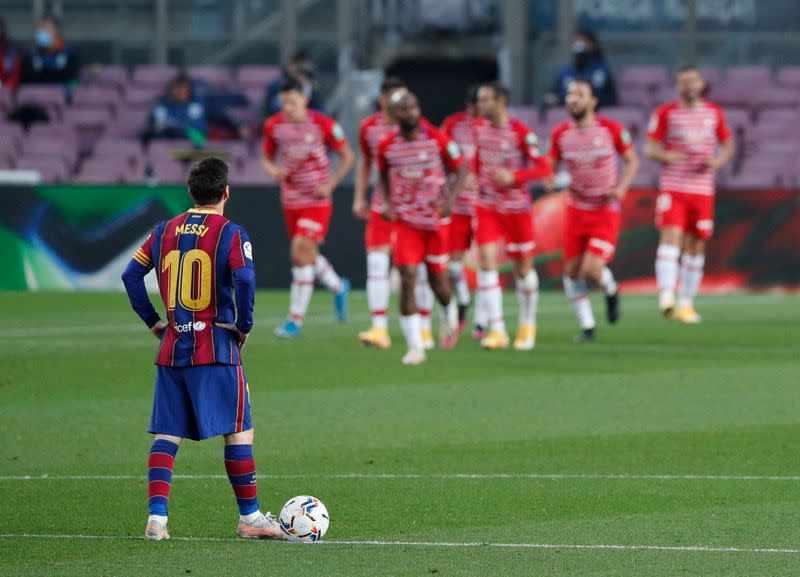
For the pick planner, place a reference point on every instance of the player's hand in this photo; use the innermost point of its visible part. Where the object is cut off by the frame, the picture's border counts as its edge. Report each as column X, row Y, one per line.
column 278, row 175
column 471, row 181
column 617, row 193
column 714, row 163
column 360, row 209
column 324, row 190
column 388, row 214
column 503, row 177
column 159, row 328
column 549, row 184
column 241, row 338
column 673, row 156
column 446, row 209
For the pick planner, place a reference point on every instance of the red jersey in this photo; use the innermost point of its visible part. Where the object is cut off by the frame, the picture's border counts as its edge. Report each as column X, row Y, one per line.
column 301, row 149
column 590, row 155
column 373, row 129
column 696, row 131
column 417, row 173
column 458, row 127
column 512, row 147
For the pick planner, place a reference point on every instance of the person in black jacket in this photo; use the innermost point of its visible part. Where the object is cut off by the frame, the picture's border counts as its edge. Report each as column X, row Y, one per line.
column 50, row 60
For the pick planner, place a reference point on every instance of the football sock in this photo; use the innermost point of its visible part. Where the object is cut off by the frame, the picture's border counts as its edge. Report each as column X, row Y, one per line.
column 241, row 469
column 326, row 275
column 160, row 462
column 489, row 283
column 301, row 291
column 378, row 291
column 691, row 277
column 607, row 282
column 481, row 316
column 459, row 282
column 577, row 292
column 412, row 331
column 528, row 297
column 424, row 296
column 667, row 268
column 449, row 314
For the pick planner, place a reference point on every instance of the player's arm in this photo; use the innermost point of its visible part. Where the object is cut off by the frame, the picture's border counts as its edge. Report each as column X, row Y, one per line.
column 630, row 160
column 726, row 149
column 334, row 138
column 383, row 174
column 133, row 279
column 539, row 165
column 270, row 147
column 654, row 145
column 240, row 261
column 457, row 167
column 360, row 209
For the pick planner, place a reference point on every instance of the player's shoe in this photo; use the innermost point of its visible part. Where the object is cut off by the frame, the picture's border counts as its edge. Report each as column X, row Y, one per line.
column 288, row 330
column 687, row 315
column 448, row 336
column 340, row 301
column 586, row 336
column 478, row 332
column 262, row 527
column 612, row 308
column 414, row 357
column 496, row 339
column 427, row 340
column 526, row 338
column 156, row 530
column 666, row 303
column 462, row 318
column 375, row 337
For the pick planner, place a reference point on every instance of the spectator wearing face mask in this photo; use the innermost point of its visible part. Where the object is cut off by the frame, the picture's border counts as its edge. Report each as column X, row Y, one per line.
column 51, row 60
column 10, row 62
column 588, row 63
column 300, row 68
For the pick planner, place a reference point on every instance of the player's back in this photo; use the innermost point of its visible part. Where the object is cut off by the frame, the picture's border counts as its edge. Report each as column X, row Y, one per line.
column 195, row 255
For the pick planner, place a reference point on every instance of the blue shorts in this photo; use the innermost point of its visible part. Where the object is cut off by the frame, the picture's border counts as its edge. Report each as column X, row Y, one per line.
column 200, row 402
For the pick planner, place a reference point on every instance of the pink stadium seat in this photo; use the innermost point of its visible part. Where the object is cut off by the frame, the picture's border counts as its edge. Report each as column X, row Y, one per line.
column 789, row 76
column 130, row 121
column 257, row 76
column 214, row 75
column 527, row 114
column 738, row 118
column 66, row 148
column 632, row 95
column 712, row 76
column 52, row 169
column 753, row 76
column 97, row 97
column 128, row 150
column 51, row 97
column 57, row 131
column 554, row 116
column 105, row 75
column 96, row 118
column 162, row 149
column 8, row 153
column 12, row 134
column 251, row 173
column 775, row 97
column 779, row 116
column 143, row 95
column 169, row 171
column 630, row 117
column 101, row 173
column 651, row 77
column 154, row 75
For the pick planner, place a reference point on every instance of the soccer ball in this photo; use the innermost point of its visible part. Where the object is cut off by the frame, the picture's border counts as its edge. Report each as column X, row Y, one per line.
column 304, row 518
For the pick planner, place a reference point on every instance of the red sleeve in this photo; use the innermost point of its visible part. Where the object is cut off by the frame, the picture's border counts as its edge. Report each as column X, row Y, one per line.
column 10, row 78
column 447, row 126
column 657, row 129
column 622, row 138
column 723, row 133
column 363, row 145
column 269, row 138
column 529, row 145
column 332, row 132
column 236, row 252
column 143, row 254
column 451, row 153
column 555, row 147
column 380, row 159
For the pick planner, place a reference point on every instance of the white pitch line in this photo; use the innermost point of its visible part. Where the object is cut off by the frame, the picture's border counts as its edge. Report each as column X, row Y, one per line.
column 444, row 544
column 456, row 476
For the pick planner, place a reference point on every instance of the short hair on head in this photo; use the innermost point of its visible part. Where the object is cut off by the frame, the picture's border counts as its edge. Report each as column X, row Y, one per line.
column 300, row 56
column 290, row 83
column 391, row 83
column 585, row 81
column 688, row 68
column 499, row 89
column 207, row 180
column 471, row 97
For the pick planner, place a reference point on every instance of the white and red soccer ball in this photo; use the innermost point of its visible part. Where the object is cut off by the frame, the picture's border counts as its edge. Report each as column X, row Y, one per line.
column 304, row 518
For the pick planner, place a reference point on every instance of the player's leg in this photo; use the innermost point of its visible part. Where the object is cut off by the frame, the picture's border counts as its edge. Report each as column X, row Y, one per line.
column 578, row 293
column 521, row 247
column 303, row 254
column 691, row 277
column 425, row 298
column 460, row 240
column 379, row 244
column 600, row 248
column 670, row 220
column 409, row 253
column 488, row 236
column 595, row 271
column 437, row 249
column 160, row 463
column 314, row 225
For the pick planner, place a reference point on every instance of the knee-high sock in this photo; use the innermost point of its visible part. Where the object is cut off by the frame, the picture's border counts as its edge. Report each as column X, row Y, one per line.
column 459, row 282
column 691, row 277
column 424, row 296
column 160, row 462
column 241, row 469
column 489, row 284
column 528, row 298
column 481, row 315
column 607, row 282
column 378, row 291
column 412, row 331
column 301, row 291
column 326, row 275
column 578, row 294
column 667, row 268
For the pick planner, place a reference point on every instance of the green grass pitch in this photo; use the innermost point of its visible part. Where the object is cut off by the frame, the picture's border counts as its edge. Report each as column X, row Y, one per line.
column 655, row 439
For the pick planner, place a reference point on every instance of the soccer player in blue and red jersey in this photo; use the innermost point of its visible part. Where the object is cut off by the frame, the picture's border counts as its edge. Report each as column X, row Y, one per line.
column 202, row 261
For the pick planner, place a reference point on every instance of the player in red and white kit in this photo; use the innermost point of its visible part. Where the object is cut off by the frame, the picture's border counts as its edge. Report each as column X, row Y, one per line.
column 418, row 198
column 458, row 127
column 691, row 139
column 378, row 238
column 588, row 145
column 507, row 157
column 296, row 145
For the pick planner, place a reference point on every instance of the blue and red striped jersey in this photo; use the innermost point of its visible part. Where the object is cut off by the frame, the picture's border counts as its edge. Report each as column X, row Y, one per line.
column 202, row 261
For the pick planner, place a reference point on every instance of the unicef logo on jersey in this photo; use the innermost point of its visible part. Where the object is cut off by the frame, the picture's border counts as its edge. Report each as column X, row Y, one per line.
column 189, row 327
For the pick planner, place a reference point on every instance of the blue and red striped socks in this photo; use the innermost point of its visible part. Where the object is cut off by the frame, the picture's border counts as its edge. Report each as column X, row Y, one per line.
column 241, row 469
column 159, row 475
